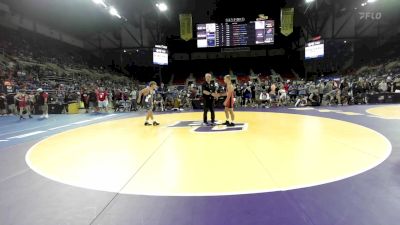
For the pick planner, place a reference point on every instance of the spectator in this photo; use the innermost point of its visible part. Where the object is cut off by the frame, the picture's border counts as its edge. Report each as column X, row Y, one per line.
column 23, row 105
column 11, row 108
column 42, row 101
column 383, row 87
column 93, row 101
column 85, row 100
column 102, row 98
column 3, row 101
column 133, row 95
column 159, row 103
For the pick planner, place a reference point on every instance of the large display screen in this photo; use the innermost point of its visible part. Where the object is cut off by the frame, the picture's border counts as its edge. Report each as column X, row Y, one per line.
column 160, row 55
column 235, row 34
column 315, row 49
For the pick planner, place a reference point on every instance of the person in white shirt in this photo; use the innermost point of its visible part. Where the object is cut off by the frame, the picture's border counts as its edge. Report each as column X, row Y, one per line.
column 282, row 95
column 264, row 99
column 383, row 86
column 133, row 95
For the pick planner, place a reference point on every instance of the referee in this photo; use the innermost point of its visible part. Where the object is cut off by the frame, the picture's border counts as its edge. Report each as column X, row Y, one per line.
column 208, row 99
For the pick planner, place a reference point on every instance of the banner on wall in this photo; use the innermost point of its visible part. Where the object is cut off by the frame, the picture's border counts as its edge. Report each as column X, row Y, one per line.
column 287, row 15
column 186, row 26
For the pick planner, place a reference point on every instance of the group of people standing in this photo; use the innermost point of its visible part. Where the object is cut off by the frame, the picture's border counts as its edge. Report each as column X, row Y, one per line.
column 146, row 97
column 210, row 95
column 23, row 104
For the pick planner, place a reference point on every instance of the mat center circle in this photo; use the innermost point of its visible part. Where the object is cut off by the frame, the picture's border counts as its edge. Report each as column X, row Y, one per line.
column 272, row 151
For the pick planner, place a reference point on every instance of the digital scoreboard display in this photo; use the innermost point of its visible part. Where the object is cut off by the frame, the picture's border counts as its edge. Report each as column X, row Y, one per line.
column 160, row 55
column 235, row 34
column 315, row 50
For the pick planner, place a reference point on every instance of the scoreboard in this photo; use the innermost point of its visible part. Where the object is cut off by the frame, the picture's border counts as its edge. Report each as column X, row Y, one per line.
column 160, row 55
column 315, row 50
column 235, row 34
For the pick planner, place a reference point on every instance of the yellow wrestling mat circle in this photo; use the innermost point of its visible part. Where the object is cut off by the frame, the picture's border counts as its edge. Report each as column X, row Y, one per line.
column 270, row 152
column 386, row 112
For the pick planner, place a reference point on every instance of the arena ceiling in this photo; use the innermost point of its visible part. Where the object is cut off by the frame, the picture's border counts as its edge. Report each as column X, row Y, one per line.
column 82, row 18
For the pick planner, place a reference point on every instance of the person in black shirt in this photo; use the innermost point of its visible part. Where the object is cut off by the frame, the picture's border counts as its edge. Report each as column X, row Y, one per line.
column 208, row 99
column 11, row 108
column 85, row 99
column 2, row 104
column 93, row 100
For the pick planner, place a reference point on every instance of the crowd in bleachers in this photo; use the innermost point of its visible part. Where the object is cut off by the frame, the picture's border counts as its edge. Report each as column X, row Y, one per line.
column 354, row 88
column 29, row 62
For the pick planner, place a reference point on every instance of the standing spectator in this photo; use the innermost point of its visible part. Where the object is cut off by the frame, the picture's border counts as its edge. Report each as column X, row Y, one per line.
column 11, row 108
column 133, row 95
column 321, row 88
column 383, row 87
column 162, row 90
column 253, row 92
column 102, row 98
column 22, row 99
column 2, row 104
column 42, row 101
column 272, row 92
column 292, row 91
column 247, row 95
column 239, row 92
column 85, row 100
column 110, row 97
column 93, row 100
column 31, row 101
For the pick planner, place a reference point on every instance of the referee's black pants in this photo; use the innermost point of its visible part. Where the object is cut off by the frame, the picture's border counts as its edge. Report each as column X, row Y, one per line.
column 209, row 106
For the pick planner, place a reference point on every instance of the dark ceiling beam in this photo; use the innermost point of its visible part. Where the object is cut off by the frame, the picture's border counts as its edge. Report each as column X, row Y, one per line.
column 324, row 22
column 132, row 36
column 316, row 20
column 365, row 28
column 91, row 43
column 309, row 26
column 343, row 24
column 111, row 40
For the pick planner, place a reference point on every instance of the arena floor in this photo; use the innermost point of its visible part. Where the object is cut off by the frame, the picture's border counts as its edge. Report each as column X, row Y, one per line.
column 286, row 166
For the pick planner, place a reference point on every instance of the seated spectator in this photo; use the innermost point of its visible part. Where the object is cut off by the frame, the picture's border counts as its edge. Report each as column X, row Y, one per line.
column 264, row 99
column 159, row 103
column 314, row 99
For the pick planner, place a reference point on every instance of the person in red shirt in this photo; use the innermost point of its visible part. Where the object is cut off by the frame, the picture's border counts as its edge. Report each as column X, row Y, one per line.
column 102, row 99
column 23, row 105
column 42, row 101
column 229, row 101
column 286, row 86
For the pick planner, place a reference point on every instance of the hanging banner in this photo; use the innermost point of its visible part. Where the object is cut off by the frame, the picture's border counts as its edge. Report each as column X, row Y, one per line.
column 287, row 15
column 186, row 26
